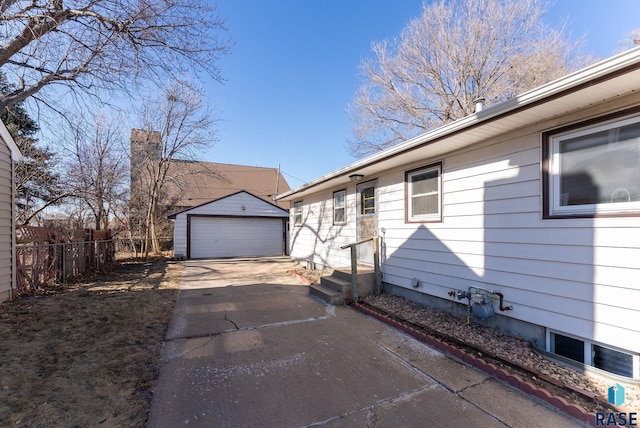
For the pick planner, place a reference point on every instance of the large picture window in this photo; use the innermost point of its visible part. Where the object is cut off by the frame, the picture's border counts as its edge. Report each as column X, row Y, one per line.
column 339, row 207
column 594, row 170
column 424, row 194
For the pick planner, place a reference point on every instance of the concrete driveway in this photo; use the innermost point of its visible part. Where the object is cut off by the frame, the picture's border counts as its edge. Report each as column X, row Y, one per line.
column 247, row 347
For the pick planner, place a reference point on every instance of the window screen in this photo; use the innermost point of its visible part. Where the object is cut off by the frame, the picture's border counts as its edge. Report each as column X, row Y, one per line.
column 424, row 194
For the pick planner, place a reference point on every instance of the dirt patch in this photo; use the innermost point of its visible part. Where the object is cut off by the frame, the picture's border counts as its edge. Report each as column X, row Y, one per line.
column 87, row 354
column 310, row 276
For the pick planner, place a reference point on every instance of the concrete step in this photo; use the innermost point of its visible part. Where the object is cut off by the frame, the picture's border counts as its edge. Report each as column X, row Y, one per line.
column 340, row 282
column 345, row 272
column 336, row 283
column 327, row 294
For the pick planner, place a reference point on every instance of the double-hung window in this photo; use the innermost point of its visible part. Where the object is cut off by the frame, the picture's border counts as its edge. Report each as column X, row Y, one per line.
column 297, row 213
column 424, row 194
column 593, row 170
column 340, row 207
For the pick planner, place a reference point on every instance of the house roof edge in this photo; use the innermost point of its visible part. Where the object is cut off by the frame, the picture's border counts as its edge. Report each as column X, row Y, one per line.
column 611, row 66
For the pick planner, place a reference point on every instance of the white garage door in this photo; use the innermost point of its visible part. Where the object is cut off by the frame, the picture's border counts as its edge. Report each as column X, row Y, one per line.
column 235, row 237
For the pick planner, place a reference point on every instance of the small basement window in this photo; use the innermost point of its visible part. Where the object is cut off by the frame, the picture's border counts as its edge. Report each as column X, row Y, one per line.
column 567, row 347
column 591, row 354
column 612, row 361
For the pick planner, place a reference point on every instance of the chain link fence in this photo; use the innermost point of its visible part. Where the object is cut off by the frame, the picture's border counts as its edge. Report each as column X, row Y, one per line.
column 42, row 265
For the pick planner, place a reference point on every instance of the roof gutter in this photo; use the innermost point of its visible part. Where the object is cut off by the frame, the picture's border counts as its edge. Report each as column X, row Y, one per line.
column 588, row 76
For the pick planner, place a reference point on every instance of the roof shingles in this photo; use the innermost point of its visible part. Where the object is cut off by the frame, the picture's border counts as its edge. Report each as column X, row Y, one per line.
column 194, row 183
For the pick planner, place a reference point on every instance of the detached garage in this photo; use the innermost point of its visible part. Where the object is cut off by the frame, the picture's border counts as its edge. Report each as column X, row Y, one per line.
column 237, row 225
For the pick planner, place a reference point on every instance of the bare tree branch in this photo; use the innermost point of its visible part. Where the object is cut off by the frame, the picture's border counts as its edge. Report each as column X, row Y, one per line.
column 98, row 166
column 95, row 45
column 185, row 129
column 445, row 59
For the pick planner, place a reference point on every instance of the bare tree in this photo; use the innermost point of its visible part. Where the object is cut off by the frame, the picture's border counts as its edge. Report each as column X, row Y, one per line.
column 184, row 130
column 97, row 169
column 93, row 45
column 631, row 40
column 37, row 182
column 453, row 54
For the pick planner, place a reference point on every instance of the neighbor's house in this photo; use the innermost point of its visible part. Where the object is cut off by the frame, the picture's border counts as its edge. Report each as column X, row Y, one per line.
column 9, row 153
column 218, row 210
column 536, row 199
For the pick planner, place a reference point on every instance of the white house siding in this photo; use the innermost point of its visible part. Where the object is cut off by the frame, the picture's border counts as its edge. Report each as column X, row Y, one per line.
column 318, row 240
column 6, row 222
column 578, row 276
column 230, row 206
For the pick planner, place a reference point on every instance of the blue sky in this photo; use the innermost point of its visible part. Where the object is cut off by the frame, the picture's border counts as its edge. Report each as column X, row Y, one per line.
column 294, row 70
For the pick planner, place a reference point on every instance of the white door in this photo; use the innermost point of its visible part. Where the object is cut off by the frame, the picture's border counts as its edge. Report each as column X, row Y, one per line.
column 367, row 223
column 212, row 237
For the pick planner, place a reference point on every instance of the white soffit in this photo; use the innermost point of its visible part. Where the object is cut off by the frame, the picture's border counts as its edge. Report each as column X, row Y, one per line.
column 605, row 80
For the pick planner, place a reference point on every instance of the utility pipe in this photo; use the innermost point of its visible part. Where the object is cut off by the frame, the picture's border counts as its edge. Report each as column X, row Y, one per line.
column 496, row 293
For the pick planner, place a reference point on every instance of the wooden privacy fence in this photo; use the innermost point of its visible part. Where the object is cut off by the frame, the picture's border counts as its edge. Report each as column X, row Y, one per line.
column 46, row 256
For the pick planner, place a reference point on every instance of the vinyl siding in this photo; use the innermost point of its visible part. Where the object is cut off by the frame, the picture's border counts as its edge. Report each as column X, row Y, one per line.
column 318, row 239
column 6, row 222
column 578, row 276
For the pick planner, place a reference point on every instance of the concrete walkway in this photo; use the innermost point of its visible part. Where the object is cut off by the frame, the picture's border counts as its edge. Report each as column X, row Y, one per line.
column 247, row 347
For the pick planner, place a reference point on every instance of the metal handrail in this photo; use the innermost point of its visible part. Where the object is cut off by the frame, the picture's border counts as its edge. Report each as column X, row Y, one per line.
column 362, row 241
column 354, row 264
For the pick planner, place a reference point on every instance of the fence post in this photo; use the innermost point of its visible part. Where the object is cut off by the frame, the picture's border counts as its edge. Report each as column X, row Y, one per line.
column 64, row 262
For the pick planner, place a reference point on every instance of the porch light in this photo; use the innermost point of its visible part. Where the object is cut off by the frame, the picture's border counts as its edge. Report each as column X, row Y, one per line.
column 356, row 177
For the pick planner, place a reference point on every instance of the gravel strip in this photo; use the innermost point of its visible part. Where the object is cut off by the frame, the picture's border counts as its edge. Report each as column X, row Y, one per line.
column 494, row 342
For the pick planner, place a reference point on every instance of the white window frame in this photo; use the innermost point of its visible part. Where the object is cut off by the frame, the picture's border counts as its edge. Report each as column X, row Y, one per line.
column 429, row 217
column 337, row 207
column 297, row 213
column 556, row 209
column 588, row 351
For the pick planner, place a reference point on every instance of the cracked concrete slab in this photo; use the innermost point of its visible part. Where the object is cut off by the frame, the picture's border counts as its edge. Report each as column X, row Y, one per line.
column 254, row 353
column 518, row 411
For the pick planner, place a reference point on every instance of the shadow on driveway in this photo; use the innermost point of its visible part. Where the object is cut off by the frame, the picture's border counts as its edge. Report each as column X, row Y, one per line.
column 247, row 347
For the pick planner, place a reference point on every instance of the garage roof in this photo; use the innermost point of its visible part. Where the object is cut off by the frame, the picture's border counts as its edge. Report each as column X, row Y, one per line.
column 278, row 211
column 192, row 183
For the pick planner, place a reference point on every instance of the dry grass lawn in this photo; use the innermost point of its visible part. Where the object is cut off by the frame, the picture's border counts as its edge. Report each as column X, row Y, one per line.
column 87, row 354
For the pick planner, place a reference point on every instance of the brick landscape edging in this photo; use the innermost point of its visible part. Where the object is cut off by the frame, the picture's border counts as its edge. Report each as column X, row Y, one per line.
column 489, row 368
